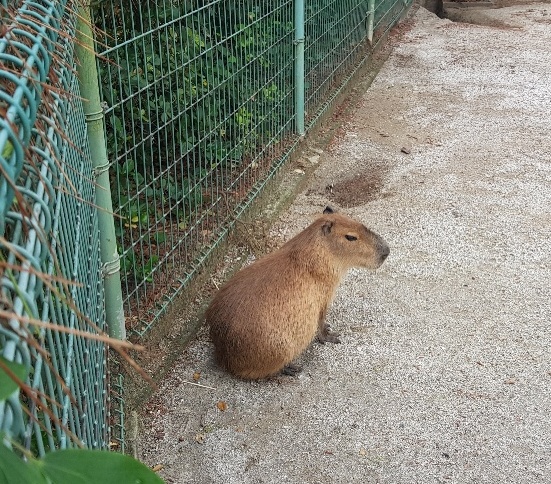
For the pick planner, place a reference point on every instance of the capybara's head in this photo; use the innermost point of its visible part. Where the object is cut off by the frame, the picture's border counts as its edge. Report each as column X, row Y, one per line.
column 351, row 242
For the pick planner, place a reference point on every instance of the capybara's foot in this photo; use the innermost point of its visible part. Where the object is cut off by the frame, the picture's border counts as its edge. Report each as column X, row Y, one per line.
column 325, row 335
column 291, row 369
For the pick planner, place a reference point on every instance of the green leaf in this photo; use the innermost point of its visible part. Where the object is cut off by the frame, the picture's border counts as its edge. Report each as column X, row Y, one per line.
column 8, row 150
column 82, row 466
column 7, row 385
column 160, row 237
column 13, row 469
column 127, row 167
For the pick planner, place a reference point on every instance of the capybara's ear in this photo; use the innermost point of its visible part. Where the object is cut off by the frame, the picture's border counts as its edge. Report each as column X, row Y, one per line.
column 326, row 228
column 328, row 209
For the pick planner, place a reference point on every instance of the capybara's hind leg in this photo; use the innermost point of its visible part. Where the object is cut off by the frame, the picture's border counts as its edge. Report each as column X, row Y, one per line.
column 291, row 369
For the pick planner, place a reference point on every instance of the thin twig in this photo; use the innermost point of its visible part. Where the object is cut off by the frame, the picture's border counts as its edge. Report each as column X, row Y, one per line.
column 115, row 343
column 197, row 385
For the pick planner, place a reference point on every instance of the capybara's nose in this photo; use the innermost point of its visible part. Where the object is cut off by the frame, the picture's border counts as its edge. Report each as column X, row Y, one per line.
column 385, row 250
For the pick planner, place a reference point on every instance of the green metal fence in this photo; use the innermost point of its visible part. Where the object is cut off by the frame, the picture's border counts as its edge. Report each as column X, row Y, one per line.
column 48, row 224
column 204, row 101
column 340, row 35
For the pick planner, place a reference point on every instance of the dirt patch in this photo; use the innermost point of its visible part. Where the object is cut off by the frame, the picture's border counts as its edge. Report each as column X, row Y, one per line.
column 475, row 12
column 362, row 188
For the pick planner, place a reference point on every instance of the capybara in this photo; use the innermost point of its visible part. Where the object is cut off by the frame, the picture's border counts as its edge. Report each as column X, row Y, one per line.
column 269, row 312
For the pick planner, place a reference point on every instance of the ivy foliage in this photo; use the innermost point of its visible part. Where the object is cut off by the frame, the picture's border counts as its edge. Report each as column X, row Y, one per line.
column 192, row 93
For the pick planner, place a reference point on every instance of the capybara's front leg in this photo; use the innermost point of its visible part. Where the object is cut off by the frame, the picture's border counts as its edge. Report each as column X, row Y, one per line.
column 325, row 335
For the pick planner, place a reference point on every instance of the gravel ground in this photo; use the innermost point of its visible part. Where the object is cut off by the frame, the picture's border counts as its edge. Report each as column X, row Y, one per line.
column 443, row 374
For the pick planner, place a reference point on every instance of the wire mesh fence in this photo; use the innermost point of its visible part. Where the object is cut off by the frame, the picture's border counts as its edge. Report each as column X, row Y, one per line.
column 336, row 32
column 340, row 35
column 49, row 227
column 192, row 124
column 200, row 113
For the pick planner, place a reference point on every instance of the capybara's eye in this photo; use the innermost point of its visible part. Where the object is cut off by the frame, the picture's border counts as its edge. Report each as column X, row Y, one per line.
column 351, row 237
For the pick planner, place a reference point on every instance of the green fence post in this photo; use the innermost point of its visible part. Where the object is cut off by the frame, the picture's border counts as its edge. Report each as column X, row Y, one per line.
column 370, row 19
column 299, row 66
column 89, row 90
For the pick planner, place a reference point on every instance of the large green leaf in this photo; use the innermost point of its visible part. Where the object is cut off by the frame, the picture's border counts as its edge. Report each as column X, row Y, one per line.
column 81, row 466
column 7, row 385
column 14, row 470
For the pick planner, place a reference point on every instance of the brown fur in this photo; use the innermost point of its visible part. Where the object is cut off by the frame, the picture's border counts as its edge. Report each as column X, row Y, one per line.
column 269, row 312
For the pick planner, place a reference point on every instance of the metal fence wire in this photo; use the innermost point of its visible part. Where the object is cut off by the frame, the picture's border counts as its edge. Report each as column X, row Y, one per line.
column 44, row 159
column 201, row 110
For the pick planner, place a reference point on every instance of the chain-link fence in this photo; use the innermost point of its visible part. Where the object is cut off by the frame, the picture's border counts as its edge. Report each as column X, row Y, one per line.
column 203, row 101
column 50, row 267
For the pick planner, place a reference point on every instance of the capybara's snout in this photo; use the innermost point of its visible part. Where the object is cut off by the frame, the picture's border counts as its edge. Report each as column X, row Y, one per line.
column 383, row 250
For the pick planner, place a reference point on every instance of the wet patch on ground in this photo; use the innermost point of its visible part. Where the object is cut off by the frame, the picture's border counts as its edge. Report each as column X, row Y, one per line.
column 363, row 187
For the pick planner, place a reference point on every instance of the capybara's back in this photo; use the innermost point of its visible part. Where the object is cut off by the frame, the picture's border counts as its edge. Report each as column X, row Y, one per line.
column 269, row 312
